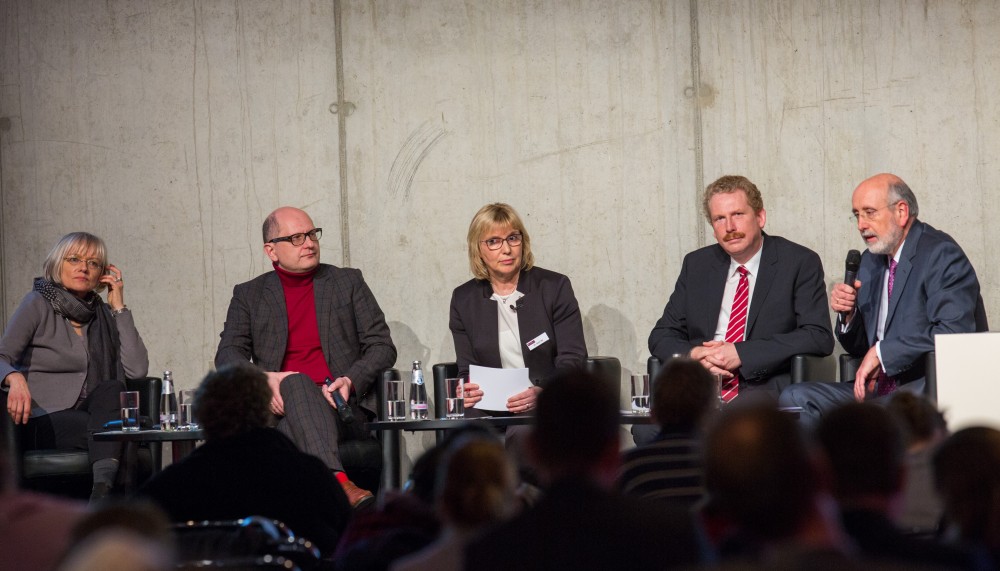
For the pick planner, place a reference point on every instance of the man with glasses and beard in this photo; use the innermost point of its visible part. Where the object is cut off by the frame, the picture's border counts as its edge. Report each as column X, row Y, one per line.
column 913, row 283
column 303, row 323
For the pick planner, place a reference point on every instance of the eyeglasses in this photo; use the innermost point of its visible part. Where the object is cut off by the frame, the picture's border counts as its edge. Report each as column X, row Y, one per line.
column 869, row 213
column 495, row 243
column 92, row 264
column 298, row 239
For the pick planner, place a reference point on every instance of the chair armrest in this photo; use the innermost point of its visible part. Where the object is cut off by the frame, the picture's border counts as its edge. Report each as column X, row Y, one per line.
column 390, row 374
column 442, row 371
column 606, row 368
column 9, row 446
column 150, row 389
column 653, row 367
column 806, row 367
column 848, row 368
column 930, row 376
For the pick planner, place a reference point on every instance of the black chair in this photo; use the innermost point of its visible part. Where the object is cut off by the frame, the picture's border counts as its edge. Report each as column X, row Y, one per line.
column 68, row 472
column 849, row 368
column 803, row 368
column 606, row 368
column 250, row 543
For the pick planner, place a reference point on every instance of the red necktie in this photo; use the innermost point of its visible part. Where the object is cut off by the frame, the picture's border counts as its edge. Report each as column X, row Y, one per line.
column 736, row 329
column 886, row 384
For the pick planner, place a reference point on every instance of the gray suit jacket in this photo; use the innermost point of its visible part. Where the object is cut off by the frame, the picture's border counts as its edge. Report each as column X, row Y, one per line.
column 352, row 329
column 53, row 358
column 789, row 314
column 935, row 291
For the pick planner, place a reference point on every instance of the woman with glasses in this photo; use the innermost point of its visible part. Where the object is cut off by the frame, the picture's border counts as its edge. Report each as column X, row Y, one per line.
column 66, row 353
column 512, row 314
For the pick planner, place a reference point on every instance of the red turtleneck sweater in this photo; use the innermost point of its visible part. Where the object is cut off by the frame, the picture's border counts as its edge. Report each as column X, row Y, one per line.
column 303, row 353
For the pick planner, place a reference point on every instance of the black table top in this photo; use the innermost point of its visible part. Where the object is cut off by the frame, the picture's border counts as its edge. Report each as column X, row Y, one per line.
column 498, row 421
column 149, row 435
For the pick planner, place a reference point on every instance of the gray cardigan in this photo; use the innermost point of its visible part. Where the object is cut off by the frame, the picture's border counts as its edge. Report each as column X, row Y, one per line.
column 53, row 358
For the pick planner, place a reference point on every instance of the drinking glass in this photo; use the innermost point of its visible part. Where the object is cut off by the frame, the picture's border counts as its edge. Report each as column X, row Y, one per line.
column 129, row 401
column 395, row 400
column 454, row 402
column 187, row 421
column 640, row 394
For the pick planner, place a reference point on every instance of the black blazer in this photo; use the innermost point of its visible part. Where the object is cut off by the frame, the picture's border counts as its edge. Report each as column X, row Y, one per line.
column 548, row 306
column 789, row 313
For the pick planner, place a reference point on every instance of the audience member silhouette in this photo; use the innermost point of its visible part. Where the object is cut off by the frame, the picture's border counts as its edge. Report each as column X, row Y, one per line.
column 475, row 489
column 967, row 473
column 122, row 535
column 245, row 468
column 865, row 449
column 580, row 523
column 671, row 467
column 766, row 481
column 924, row 428
column 404, row 523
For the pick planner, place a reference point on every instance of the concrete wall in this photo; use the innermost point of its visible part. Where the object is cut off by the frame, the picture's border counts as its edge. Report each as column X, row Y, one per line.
column 172, row 128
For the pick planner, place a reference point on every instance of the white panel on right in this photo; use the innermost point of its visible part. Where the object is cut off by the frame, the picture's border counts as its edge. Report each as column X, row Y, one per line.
column 968, row 386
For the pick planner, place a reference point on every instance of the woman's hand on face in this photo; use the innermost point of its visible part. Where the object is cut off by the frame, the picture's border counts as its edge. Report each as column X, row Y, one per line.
column 472, row 394
column 113, row 279
column 523, row 401
column 19, row 398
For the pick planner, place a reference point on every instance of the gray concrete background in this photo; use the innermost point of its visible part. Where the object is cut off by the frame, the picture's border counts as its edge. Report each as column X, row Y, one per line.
column 171, row 128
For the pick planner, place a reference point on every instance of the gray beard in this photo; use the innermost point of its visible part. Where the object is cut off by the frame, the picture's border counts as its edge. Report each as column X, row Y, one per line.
column 885, row 246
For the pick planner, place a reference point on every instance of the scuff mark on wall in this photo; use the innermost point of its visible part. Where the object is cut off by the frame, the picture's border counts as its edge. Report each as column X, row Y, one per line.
column 416, row 148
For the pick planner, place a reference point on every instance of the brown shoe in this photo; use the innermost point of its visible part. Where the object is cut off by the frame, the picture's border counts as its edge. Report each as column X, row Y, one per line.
column 357, row 497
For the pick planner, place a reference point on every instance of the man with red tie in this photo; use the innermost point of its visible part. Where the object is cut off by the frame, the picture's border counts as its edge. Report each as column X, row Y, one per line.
column 708, row 317
column 914, row 282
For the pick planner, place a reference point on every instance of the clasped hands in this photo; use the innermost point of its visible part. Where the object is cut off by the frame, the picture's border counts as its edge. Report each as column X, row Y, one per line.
column 719, row 357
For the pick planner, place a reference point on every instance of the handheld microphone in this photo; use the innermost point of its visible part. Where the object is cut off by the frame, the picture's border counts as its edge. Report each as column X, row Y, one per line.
column 343, row 409
column 851, row 266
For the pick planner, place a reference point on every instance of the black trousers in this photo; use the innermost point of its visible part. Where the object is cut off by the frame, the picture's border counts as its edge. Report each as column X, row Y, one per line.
column 70, row 429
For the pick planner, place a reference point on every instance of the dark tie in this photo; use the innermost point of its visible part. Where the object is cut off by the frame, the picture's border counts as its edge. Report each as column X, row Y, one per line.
column 887, row 384
column 736, row 329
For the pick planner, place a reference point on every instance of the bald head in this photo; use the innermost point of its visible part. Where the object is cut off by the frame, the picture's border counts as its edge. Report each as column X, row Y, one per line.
column 273, row 222
column 885, row 209
column 288, row 222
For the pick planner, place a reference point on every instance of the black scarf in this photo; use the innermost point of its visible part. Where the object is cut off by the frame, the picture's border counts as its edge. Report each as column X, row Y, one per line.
column 103, row 343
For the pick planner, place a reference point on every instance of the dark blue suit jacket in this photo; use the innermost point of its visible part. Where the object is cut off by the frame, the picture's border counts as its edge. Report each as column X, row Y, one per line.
column 935, row 290
column 789, row 313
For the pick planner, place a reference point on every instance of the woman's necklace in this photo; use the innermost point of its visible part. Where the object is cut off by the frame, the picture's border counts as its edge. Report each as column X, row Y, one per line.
column 505, row 296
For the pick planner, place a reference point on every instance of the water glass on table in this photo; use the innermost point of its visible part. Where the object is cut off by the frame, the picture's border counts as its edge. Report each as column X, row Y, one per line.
column 186, row 419
column 454, row 401
column 395, row 400
column 640, row 394
column 129, row 401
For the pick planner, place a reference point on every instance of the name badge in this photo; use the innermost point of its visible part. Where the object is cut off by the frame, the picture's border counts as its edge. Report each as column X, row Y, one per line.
column 534, row 343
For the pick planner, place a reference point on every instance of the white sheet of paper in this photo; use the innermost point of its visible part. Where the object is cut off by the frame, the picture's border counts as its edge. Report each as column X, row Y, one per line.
column 498, row 385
